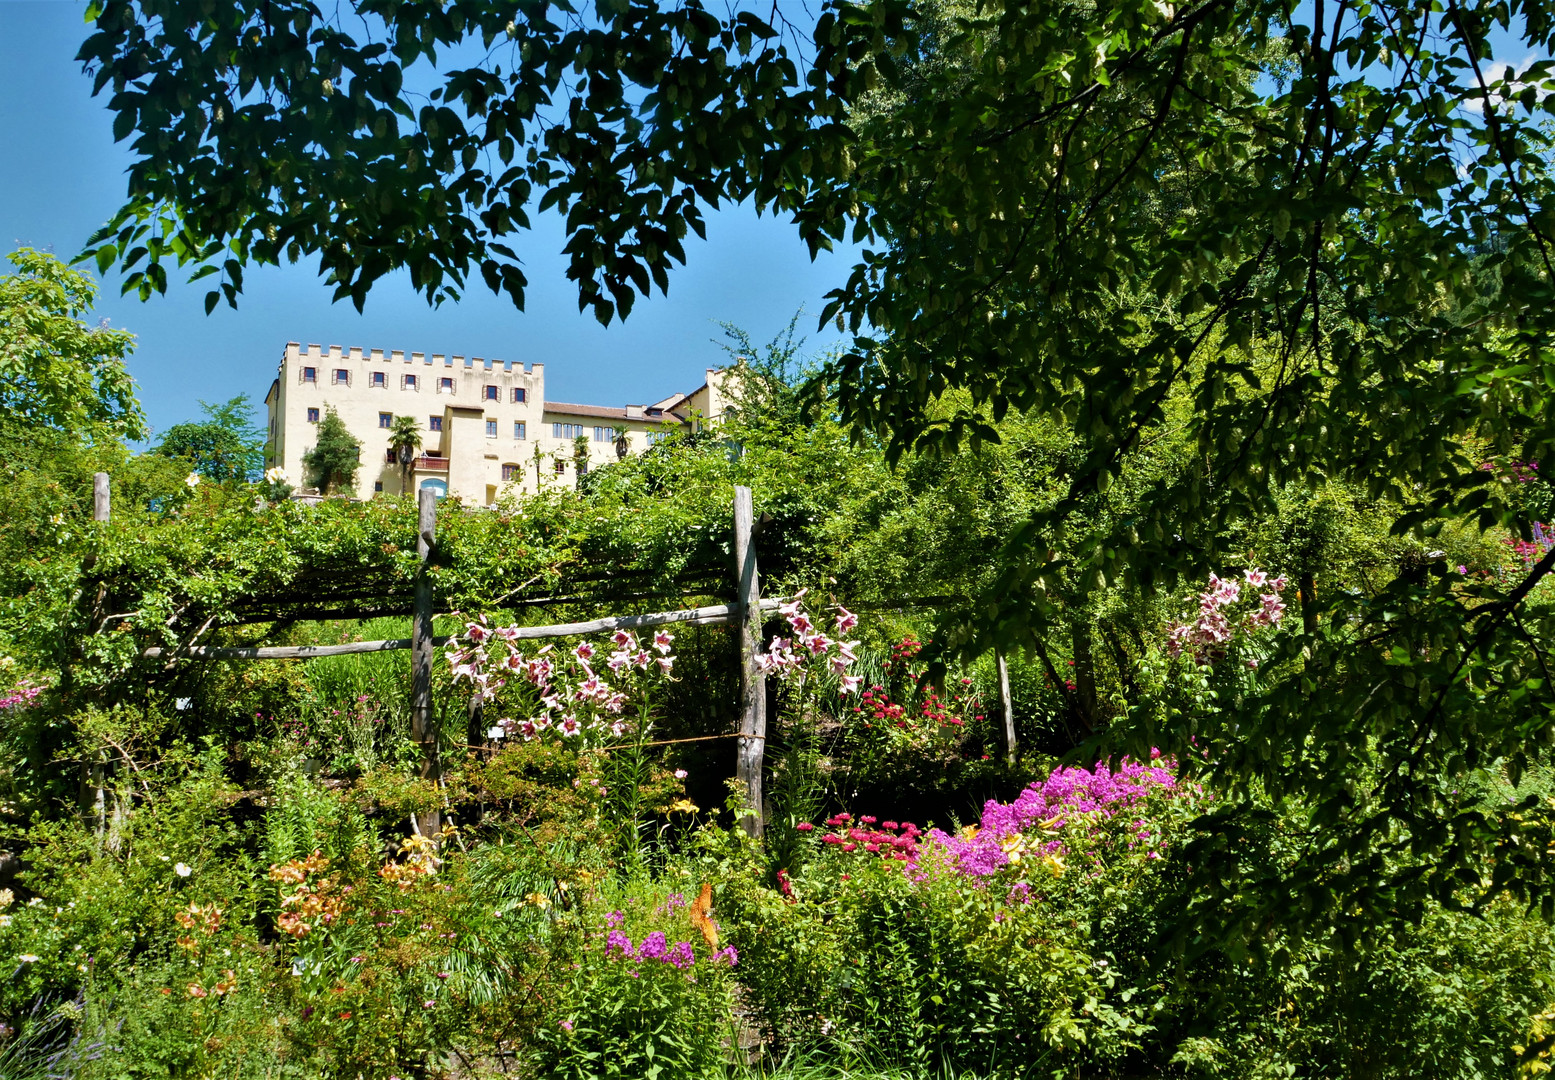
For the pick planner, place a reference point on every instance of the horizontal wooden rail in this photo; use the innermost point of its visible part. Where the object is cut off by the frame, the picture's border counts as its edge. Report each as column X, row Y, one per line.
column 714, row 615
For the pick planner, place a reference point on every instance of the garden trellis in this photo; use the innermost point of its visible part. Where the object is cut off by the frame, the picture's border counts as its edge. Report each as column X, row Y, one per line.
column 746, row 611
column 336, row 580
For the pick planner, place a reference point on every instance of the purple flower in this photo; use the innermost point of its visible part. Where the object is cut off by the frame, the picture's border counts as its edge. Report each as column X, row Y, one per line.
column 680, row 955
column 618, row 940
column 652, row 947
column 726, row 955
column 1067, row 791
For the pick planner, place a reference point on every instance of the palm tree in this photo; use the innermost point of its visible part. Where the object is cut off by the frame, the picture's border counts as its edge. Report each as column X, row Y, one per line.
column 405, row 438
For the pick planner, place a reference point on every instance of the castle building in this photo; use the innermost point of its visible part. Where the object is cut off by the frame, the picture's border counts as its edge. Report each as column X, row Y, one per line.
column 485, row 425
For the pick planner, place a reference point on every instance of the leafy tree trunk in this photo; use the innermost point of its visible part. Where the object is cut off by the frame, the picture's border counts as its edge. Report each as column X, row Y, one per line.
column 1306, row 590
column 1084, row 673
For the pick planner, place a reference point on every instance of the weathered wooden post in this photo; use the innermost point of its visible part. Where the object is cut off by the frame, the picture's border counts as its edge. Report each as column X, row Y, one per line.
column 97, row 778
column 1008, row 705
column 423, row 728
column 100, row 496
column 753, row 683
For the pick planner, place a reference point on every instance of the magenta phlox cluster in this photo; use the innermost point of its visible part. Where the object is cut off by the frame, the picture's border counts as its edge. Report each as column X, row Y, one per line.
column 1066, row 793
column 20, row 696
column 807, row 646
column 575, row 698
column 653, row 946
column 1224, row 611
column 657, row 946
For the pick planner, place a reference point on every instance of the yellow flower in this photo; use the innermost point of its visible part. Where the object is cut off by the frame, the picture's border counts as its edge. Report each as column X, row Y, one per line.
column 683, row 806
column 539, row 900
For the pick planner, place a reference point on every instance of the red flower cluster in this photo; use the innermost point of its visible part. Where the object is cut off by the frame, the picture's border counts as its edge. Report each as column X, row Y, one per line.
column 934, row 709
column 1529, row 553
column 890, row 840
column 905, row 650
column 880, row 706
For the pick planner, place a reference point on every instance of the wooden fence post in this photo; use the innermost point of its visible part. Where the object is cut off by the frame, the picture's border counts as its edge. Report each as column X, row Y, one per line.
column 1008, row 705
column 100, row 496
column 753, row 684
column 97, row 771
column 423, row 728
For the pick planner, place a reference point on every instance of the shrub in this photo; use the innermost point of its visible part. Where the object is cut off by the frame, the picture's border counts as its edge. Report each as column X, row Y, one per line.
column 648, row 996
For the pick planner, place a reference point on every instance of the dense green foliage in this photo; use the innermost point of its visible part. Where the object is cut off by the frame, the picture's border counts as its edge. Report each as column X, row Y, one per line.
column 332, row 461
column 508, row 939
column 1200, row 366
column 405, row 440
column 55, row 371
column 1235, row 258
column 226, row 445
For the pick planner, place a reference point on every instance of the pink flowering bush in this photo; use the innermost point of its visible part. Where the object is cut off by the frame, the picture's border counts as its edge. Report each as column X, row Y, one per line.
column 809, row 654
column 589, row 694
column 22, row 694
column 1226, row 611
column 599, row 701
column 650, row 993
column 1192, row 691
column 1034, row 824
column 902, row 724
column 975, row 947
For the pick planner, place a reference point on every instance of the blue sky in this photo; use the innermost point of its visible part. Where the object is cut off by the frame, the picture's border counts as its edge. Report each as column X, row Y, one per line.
column 61, row 176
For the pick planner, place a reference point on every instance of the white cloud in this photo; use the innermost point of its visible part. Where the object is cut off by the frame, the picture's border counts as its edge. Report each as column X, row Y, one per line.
column 1474, row 100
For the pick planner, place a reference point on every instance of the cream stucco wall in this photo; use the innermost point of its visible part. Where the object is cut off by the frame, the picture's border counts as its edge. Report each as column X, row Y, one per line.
column 462, row 409
column 478, row 439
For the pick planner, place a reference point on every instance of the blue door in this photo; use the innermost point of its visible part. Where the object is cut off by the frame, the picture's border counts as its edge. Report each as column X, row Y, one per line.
column 439, row 486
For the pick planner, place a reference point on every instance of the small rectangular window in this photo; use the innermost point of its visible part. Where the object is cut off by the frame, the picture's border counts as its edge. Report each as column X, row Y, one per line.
column 377, row 485
column 313, row 416
column 556, row 431
column 561, row 466
column 511, row 473
column 408, row 383
column 519, row 430
column 491, row 429
column 390, row 457
column 434, row 423
column 378, row 378
column 491, row 394
column 341, row 377
column 519, row 396
column 445, row 385
column 310, row 374
column 385, row 419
